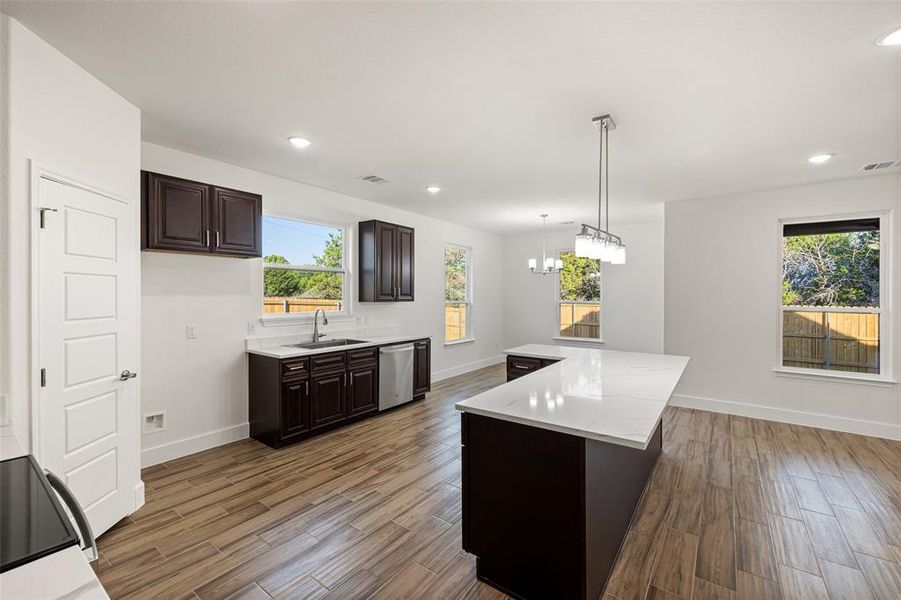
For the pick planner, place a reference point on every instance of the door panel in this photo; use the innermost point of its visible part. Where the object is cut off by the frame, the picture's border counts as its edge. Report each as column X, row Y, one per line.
column 326, row 399
column 422, row 367
column 362, row 393
column 86, row 419
column 178, row 213
column 404, row 263
column 239, row 226
column 385, row 262
column 295, row 417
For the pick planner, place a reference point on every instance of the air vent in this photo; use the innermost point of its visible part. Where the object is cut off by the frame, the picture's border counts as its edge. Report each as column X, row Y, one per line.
column 881, row 165
column 374, row 179
column 567, row 222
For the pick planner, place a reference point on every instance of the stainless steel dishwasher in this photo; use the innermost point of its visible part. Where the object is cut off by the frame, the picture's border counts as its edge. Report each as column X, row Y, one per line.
column 395, row 375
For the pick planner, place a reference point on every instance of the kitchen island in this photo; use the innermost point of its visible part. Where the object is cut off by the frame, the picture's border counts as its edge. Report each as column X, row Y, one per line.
column 555, row 463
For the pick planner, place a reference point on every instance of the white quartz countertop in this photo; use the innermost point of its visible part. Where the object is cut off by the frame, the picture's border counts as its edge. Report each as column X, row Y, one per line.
column 286, row 351
column 605, row 395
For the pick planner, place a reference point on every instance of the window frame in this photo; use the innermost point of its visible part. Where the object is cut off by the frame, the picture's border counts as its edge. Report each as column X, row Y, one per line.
column 558, row 301
column 886, row 343
column 346, row 295
column 468, row 300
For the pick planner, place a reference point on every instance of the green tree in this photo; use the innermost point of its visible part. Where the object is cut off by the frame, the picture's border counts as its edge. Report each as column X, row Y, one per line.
column 327, row 285
column 279, row 282
column 454, row 274
column 580, row 279
column 831, row 269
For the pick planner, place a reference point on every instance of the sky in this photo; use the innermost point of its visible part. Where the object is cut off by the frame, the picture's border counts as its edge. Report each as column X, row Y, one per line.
column 295, row 240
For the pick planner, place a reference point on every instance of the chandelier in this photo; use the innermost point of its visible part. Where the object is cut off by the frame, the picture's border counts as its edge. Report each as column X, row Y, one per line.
column 549, row 265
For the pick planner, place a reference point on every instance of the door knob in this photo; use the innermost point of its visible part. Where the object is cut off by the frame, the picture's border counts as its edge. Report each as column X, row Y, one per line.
column 126, row 375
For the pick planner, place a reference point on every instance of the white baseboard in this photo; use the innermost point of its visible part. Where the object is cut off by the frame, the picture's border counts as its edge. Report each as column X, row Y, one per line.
column 139, row 495
column 171, row 450
column 462, row 369
column 784, row 415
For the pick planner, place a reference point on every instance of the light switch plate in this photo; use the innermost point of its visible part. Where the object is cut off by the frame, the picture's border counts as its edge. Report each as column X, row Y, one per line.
column 190, row 332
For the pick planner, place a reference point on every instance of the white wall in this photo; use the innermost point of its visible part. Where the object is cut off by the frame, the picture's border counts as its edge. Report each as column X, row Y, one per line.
column 202, row 383
column 59, row 115
column 632, row 294
column 723, row 297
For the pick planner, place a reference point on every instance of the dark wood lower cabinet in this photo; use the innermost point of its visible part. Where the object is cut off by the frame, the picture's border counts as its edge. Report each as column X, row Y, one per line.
column 362, row 390
column 295, row 414
column 517, row 366
column 294, row 398
column 422, row 367
column 327, row 393
column 545, row 512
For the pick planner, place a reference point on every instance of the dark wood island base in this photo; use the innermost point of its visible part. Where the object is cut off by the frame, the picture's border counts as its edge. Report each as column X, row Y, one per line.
column 546, row 512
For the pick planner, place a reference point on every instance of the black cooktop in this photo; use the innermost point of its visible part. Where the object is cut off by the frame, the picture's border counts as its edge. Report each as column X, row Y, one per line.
column 33, row 523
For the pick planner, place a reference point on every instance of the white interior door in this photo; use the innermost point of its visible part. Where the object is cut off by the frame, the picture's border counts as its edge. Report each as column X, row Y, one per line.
column 87, row 427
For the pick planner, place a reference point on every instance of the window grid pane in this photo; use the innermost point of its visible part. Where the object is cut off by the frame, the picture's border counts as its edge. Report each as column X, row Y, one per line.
column 455, row 316
column 580, row 293
column 837, row 271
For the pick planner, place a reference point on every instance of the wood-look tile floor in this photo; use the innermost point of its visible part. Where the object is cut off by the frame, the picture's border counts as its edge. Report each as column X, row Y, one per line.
column 737, row 508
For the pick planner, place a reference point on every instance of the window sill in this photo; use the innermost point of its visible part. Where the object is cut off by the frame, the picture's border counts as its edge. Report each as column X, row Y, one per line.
column 459, row 342
column 597, row 342
column 299, row 319
column 877, row 381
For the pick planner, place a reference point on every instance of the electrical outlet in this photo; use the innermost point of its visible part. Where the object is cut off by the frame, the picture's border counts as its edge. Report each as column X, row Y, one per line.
column 154, row 422
column 190, row 332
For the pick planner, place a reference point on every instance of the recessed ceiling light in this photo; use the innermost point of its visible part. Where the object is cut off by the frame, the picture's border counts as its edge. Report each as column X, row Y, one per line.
column 433, row 189
column 299, row 142
column 819, row 159
column 892, row 38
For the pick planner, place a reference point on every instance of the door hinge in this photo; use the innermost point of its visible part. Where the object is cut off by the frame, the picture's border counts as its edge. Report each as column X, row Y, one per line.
column 43, row 210
column 43, row 377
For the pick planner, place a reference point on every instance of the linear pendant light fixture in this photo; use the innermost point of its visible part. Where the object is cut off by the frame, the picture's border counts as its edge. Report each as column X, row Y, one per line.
column 549, row 265
column 597, row 242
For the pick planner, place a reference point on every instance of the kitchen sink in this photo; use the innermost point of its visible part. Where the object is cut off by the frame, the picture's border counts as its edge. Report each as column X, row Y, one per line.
column 326, row 344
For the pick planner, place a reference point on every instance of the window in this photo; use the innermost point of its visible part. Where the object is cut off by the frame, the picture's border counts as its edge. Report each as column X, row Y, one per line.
column 457, row 294
column 579, row 299
column 831, row 295
column 303, row 267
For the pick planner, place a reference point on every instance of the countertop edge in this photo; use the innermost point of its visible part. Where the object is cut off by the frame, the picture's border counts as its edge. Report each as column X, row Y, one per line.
column 311, row 352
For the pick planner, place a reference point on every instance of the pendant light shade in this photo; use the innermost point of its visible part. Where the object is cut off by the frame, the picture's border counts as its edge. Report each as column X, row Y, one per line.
column 596, row 242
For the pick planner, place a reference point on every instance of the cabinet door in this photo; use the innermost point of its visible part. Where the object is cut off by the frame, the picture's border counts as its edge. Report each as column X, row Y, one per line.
column 177, row 213
column 385, row 262
column 238, row 220
column 422, row 367
column 404, row 264
column 327, row 398
column 295, row 408
column 362, row 390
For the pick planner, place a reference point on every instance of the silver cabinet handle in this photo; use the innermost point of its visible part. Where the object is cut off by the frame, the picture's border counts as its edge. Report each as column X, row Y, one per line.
column 207, row 238
column 126, row 375
column 217, row 238
column 81, row 519
column 308, row 386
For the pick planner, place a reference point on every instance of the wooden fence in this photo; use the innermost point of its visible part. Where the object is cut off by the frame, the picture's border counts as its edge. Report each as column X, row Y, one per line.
column 275, row 305
column 838, row 341
column 580, row 320
column 454, row 321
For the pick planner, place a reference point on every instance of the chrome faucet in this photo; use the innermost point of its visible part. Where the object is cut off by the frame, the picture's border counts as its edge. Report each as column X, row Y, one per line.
column 316, row 334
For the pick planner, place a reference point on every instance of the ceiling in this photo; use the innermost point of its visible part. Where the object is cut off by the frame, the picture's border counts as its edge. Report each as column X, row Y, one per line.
column 493, row 101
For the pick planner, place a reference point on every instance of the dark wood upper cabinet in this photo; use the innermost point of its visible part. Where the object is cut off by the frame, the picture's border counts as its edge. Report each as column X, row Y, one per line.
column 422, row 367
column 386, row 262
column 176, row 213
column 180, row 215
column 239, row 222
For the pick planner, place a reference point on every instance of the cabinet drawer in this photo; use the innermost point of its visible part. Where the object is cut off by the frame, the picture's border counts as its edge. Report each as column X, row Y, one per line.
column 520, row 365
column 294, row 367
column 362, row 356
column 549, row 361
column 328, row 362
